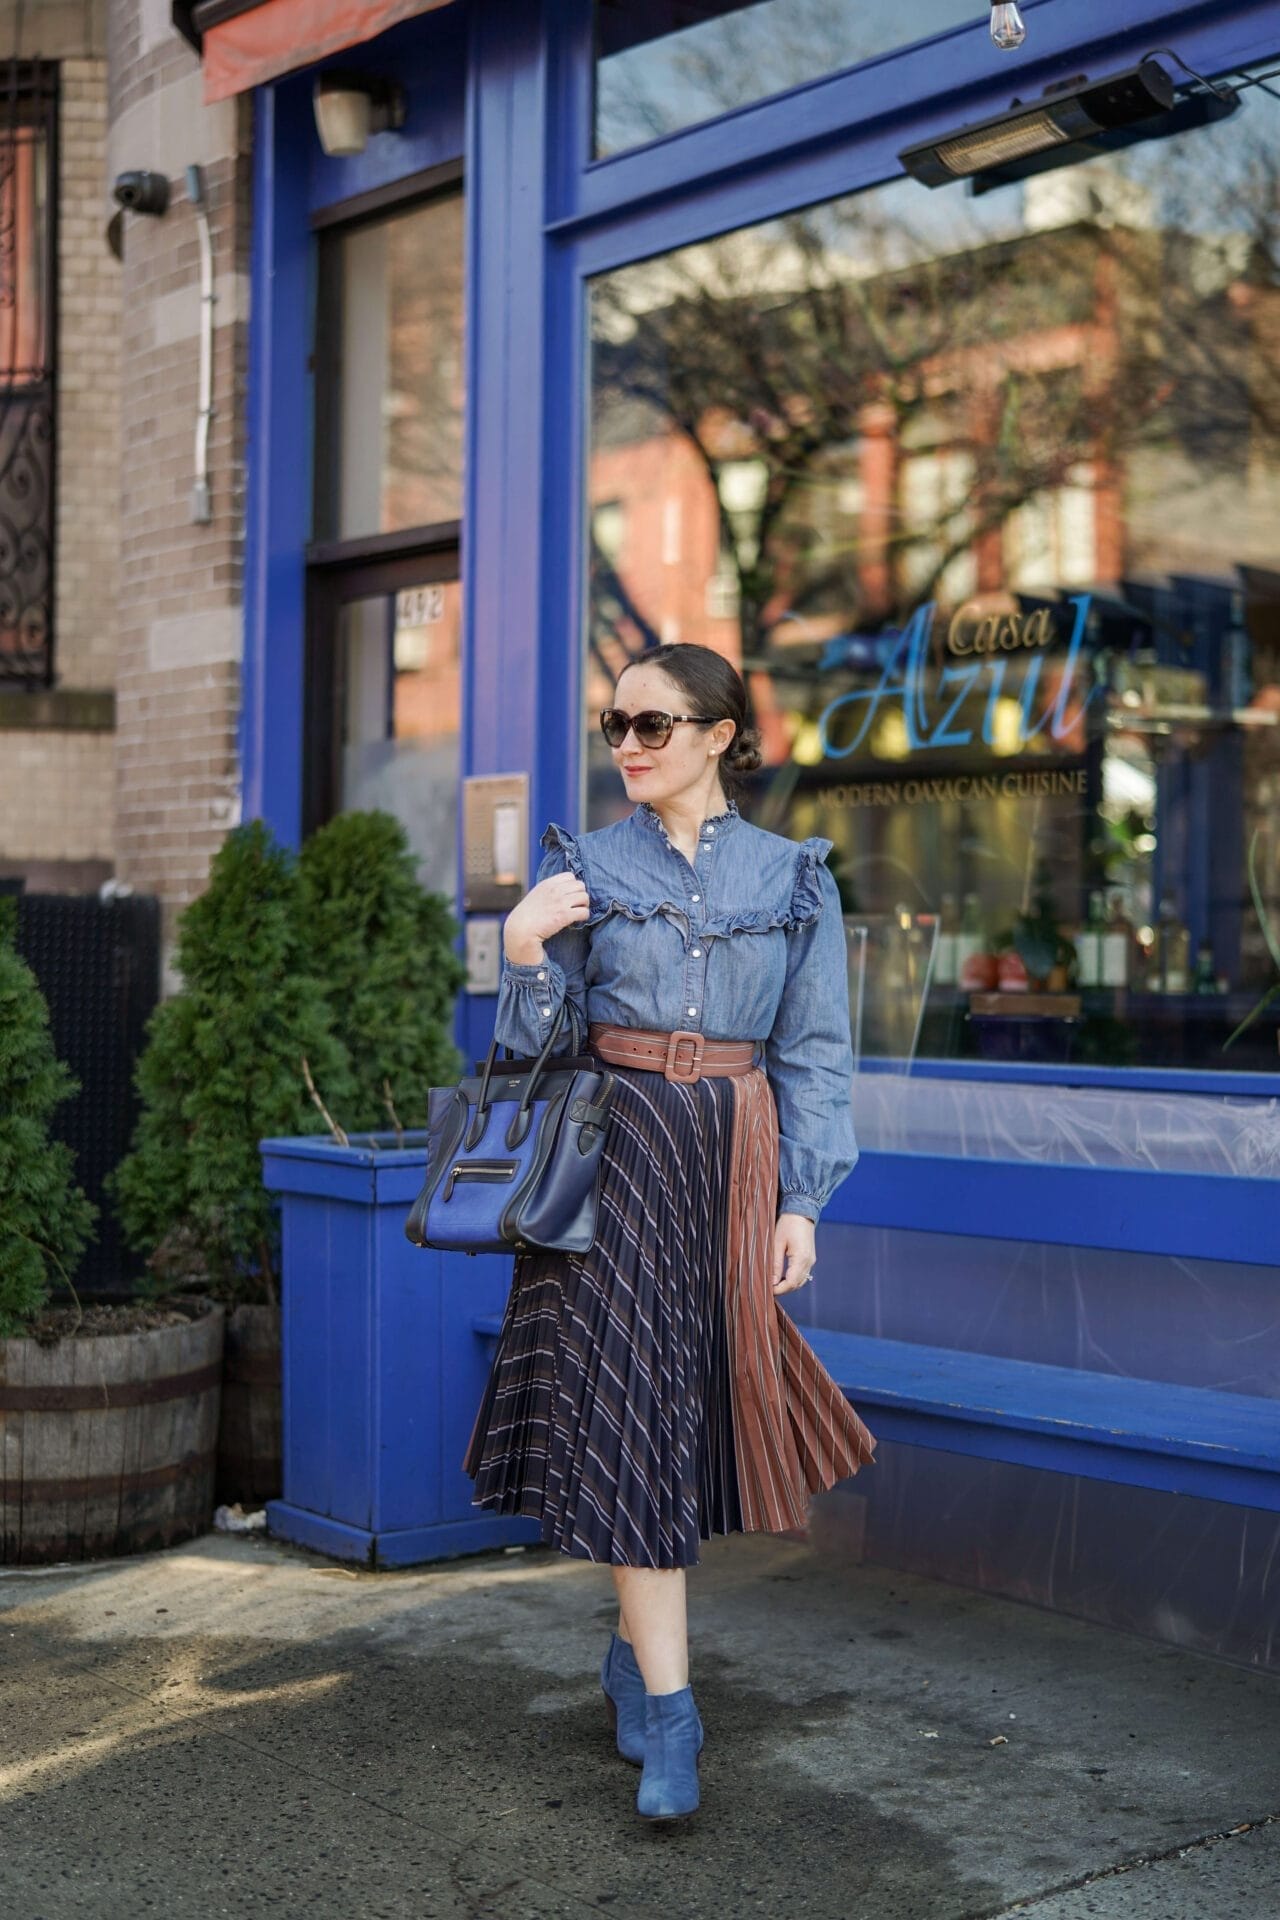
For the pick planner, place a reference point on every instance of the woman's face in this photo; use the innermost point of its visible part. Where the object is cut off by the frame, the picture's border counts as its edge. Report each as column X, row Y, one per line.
column 691, row 754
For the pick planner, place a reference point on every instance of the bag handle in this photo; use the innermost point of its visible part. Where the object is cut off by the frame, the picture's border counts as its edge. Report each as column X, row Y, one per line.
column 521, row 1118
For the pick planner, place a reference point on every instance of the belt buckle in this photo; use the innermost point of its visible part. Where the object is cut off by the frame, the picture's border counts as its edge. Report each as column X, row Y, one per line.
column 671, row 1065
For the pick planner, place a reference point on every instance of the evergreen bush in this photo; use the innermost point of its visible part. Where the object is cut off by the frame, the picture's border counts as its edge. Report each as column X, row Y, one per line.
column 223, row 1068
column 45, row 1217
column 338, row 967
column 382, row 950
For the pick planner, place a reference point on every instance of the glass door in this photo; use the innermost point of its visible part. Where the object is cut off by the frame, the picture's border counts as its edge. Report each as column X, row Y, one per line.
column 385, row 680
column 384, row 611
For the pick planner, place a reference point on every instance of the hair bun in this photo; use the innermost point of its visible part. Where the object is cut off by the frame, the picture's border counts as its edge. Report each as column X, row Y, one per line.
column 743, row 753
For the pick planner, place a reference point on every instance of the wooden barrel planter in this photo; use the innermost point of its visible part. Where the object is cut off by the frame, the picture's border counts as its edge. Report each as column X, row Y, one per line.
column 108, row 1444
column 249, row 1435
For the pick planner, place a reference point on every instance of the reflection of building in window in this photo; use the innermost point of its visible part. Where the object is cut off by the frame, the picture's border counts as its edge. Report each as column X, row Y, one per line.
column 936, row 560
column 671, row 518
column 873, row 421
column 427, row 691
column 1049, row 538
column 724, row 597
column 390, row 396
column 743, row 486
column 609, row 529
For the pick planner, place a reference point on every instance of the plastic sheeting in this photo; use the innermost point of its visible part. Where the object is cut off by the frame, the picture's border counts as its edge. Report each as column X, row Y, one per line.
column 284, row 35
column 1070, row 1126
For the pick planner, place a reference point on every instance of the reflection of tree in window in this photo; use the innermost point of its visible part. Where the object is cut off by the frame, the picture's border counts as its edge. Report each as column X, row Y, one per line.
column 423, row 404
column 1090, row 378
column 651, row 81
column 1068, row 386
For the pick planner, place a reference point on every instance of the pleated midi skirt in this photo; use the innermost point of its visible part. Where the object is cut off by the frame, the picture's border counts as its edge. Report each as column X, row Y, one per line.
column 653, row 1391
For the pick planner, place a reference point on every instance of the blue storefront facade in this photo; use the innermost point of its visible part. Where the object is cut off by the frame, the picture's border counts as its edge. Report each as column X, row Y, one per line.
column 637, row 328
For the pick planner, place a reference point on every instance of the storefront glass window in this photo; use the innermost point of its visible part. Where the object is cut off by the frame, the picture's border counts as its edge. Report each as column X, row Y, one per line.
column 665, row 67
column 390, row 374
column 982, row 493
column 398, row 699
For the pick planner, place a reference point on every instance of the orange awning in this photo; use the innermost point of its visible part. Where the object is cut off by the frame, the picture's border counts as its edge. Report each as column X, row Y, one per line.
column 282, row 35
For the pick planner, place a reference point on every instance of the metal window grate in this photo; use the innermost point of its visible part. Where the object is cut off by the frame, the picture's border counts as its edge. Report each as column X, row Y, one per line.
column 28, row 330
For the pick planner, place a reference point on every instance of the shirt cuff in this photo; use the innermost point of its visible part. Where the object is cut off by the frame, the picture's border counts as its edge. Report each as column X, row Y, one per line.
column 530, row 970
column 804, row 1203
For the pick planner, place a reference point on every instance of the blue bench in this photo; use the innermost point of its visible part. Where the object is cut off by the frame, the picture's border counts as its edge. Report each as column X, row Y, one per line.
column 1136, row 1432
column 1140, row 1433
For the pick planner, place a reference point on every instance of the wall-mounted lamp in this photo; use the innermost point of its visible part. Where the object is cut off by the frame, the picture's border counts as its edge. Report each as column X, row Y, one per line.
column 1072, row 120
column 351, row 106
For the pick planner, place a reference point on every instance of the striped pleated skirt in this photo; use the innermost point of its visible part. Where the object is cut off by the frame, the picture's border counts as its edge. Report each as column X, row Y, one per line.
column 653, row 1391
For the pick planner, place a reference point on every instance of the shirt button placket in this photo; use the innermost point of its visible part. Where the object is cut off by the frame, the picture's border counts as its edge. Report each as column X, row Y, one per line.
column 695, row 976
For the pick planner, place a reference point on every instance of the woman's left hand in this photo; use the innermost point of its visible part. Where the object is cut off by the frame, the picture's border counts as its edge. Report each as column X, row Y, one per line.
column 793, row 1246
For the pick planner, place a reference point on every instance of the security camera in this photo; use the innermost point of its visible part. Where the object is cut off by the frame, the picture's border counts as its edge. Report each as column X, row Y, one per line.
column 142, row 192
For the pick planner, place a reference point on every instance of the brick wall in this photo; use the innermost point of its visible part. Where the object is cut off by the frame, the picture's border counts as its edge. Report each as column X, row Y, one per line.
column 129, row 765
column 179, row 606
column 57, row 763
column 88, row 385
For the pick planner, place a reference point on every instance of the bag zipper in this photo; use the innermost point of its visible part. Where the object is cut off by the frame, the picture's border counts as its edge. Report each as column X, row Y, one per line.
column 479, row 1170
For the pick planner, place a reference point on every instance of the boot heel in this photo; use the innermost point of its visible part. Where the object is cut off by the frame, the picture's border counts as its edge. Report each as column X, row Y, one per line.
column 623, row 1688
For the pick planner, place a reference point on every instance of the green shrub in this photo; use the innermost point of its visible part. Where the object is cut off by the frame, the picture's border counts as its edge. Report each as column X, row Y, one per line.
column 45, row 1217
column 382, row 951
column 337, row 965
column 223, row 1068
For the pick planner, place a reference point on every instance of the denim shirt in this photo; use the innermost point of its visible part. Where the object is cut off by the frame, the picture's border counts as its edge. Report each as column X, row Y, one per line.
column 746, row 942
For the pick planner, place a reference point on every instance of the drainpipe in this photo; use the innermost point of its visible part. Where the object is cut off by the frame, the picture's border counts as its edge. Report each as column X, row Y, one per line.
column 201, row 510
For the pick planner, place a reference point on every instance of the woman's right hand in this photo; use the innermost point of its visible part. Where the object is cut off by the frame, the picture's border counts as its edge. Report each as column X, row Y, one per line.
column 561, row 900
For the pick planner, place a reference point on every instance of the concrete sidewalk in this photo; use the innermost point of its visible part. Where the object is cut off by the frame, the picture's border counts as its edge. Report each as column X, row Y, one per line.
column 239, row 1728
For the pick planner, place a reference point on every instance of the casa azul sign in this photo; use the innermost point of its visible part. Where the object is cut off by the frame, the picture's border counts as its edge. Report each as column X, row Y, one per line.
column 960, row 700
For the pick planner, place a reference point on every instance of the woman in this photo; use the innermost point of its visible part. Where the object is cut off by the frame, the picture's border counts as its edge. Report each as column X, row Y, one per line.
column 648, row 1394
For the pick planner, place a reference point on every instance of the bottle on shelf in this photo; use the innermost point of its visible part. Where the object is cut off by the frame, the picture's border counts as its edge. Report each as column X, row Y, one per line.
column 1089, row 945
column 945, row 967
column 1172, row 951
column 970, row 938
column 1206, row 980
column 977, row 969
column 1117, row 945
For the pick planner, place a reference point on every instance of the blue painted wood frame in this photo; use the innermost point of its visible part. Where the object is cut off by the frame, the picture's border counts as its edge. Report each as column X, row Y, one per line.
column 1202, row 1216
column 844, row 132
column 1206, row 1082
column 292, row 180
column 382, row 1374
column 278, row 489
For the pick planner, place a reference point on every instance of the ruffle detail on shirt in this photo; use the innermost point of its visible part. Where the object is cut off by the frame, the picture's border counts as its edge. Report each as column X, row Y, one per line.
column 557, row 836
column 602, row 907
column 801, row 910
column 806, row 896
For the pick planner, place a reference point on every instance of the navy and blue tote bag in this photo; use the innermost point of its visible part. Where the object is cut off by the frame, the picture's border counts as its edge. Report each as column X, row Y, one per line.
column 513, row 1153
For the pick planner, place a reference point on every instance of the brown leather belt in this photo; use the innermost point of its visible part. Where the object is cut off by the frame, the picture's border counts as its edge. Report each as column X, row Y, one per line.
column 683, row 1056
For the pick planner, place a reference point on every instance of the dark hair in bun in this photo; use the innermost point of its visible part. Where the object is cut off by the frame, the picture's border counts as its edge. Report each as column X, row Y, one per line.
column 717, row 689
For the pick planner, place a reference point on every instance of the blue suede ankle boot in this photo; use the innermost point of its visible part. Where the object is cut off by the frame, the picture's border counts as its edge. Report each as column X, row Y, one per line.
column 623, row 1685
column 672, row 1743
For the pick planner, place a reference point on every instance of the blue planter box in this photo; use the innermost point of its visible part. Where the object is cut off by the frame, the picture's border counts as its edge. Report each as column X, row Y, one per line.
column 383, row 1369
